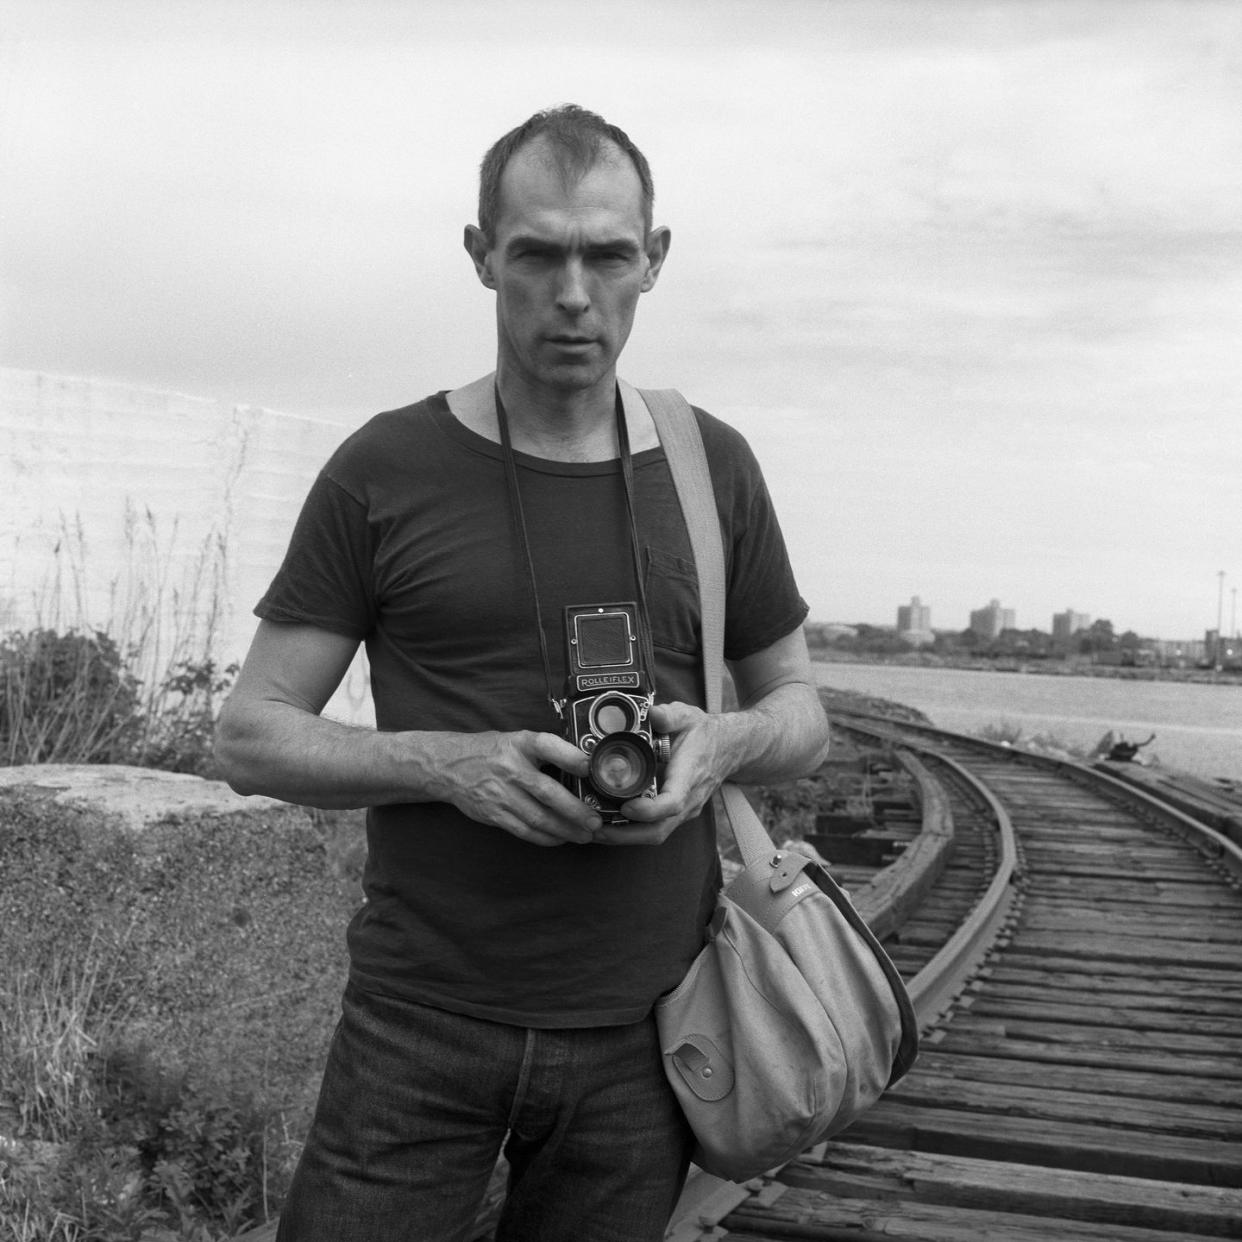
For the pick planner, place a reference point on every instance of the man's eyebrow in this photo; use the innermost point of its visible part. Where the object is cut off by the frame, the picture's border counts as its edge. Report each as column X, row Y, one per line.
column 625, row 244
column 523, row 241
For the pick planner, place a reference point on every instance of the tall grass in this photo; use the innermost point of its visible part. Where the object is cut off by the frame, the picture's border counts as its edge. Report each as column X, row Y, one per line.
column 54, row 1022
column 122, row 671
column 164, row 1000
column 99, row 1142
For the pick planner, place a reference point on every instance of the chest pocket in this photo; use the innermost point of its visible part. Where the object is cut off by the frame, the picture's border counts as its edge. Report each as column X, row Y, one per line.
column 672, row 586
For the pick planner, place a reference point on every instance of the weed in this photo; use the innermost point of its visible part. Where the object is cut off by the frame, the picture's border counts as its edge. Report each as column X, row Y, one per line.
column 65, row 697
column 75, row 698
column 126, row 674
column 1009, row 734
column 1006, row 733
column 165, row 1003
column 178, row 736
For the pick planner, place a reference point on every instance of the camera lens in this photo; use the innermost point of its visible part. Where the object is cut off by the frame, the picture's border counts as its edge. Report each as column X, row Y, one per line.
column 611, row 718
column 622, row 765
column 614, row 713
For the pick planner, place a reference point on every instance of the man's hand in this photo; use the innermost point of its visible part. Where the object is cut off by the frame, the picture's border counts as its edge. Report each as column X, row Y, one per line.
column 780, row 733
column 496, row 778
column 272, row 740
column 702, row 757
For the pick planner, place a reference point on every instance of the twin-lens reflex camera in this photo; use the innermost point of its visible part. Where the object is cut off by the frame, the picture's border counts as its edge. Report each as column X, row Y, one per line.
column 605, row 712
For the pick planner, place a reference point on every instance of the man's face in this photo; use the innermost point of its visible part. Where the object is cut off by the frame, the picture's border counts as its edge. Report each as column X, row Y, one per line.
column 568, row 263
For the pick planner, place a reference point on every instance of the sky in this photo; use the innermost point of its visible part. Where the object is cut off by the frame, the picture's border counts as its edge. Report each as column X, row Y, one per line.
column 968, row 276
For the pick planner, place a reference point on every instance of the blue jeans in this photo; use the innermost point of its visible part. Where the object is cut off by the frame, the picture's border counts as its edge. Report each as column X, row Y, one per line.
column 415, row 1107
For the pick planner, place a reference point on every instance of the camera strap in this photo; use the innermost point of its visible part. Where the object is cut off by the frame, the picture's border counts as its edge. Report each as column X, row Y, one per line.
column 519, row 522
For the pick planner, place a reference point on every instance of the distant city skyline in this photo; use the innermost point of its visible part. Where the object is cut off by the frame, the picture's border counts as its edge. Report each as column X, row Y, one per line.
column 918, row 615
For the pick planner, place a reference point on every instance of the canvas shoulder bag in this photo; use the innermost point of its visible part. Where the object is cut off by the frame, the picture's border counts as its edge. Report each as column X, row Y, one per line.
column 792, row 1020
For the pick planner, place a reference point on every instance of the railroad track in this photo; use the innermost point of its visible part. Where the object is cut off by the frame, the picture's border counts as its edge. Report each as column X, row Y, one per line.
column 1081, row 1071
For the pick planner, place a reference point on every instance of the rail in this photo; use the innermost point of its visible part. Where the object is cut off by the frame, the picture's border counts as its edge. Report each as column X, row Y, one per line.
column 1088, row 1083
column 707, row 1199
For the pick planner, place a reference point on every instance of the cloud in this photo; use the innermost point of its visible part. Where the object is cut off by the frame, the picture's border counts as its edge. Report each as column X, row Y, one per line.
column 974, row 267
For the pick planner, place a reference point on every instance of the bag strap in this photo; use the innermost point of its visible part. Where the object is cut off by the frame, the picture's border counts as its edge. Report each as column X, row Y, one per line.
column 687, row 463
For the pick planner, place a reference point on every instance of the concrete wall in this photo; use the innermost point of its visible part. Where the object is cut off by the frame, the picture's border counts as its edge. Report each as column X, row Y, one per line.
column 150, row 514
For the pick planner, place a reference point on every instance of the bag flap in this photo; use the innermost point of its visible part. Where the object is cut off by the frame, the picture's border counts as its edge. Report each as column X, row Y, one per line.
column 766, row 889
column 703, row 1067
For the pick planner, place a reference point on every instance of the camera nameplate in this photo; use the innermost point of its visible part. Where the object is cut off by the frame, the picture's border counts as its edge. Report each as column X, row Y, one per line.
column 587, row 682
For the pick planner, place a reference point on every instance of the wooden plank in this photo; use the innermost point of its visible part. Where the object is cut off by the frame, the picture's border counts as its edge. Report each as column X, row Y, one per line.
column 1106, row 1016
column 1027, row 1189
column 1076, row 1103
column 1148, row 924
column 1116, row 1038
column 1187, row 972
column 1065, row 1145
column 1125, row 948
column 859, row 1219
column 933, row 1059
column 1206, row 890
column 1166, row 988
column 1035, row 1051
column 1088, row 996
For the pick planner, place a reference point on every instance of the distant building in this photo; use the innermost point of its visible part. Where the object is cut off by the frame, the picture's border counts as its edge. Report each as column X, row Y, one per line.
column 914, row 622
column 1180, row 652
column 914, row 616
column 992, row 621
column 1221, row 651
column 1066, row 624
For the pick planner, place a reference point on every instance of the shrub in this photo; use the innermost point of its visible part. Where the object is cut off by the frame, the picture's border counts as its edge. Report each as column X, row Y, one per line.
column 181, row 721
column 165, row 1005
column 66, row 698
column 1004, row 732
column 118, row 670
column 75, row 698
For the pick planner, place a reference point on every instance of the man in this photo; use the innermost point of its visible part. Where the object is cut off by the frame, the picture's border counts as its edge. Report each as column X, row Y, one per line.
column 504, row 967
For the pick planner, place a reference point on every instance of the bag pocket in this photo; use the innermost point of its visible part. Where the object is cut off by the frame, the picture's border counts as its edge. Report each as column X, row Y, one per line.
column 747, row 1052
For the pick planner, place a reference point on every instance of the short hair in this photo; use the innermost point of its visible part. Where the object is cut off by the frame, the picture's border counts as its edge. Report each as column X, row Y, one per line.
column 578, row 139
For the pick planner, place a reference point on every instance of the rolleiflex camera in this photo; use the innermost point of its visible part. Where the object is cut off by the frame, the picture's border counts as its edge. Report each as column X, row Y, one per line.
column 605, row 711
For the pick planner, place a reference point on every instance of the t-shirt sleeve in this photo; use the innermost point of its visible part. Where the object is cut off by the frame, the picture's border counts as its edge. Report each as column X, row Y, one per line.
column 762, row 603
column 326, row 579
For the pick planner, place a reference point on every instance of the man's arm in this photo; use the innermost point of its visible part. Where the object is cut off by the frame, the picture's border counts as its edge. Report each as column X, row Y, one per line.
column 780, row 732
column 272, row 740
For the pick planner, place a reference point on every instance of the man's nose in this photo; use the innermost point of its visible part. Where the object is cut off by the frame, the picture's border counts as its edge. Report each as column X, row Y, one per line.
column 572, row 293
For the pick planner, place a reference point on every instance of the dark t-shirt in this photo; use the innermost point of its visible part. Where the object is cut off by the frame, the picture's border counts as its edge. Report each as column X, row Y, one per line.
column 407, row 542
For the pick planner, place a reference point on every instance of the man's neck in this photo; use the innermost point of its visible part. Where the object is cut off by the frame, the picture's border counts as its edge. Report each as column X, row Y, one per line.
column 573, row 426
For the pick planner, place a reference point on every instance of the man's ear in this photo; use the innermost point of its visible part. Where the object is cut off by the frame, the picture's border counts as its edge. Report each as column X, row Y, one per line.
column 658, row 242
column 480, row 252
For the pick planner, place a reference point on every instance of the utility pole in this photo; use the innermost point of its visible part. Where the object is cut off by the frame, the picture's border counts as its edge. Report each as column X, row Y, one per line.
column 1233, row 624
column 1220, row 614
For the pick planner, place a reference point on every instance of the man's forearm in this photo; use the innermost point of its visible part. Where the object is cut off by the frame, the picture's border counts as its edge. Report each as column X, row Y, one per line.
column 783, row 736
column 780, row 736
column 271, row 747
column 284, row 752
